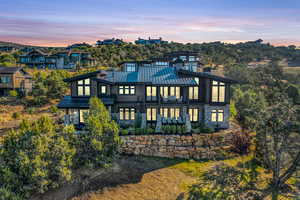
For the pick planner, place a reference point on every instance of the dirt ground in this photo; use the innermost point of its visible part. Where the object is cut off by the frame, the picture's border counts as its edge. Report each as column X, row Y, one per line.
column 161, row 184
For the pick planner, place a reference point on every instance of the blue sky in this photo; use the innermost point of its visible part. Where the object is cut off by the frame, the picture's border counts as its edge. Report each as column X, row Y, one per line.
column 59, row 23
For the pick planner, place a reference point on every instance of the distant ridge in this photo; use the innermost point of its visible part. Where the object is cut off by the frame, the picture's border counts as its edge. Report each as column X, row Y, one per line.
column 17, row 45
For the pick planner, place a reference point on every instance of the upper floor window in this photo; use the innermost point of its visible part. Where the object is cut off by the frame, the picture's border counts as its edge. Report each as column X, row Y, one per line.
column 130, row 67
column 183, row 58
column 151, row 114
column 170, row 91
column 217, row 115
column 194, row 93
column 218, row 91
column 5, row 79
column 159, row 63
column 193, row 112
column 192, row 58
column 151, row 93
column 103, row 90
column 127, row 113
column 126, row 90
column 84, row 87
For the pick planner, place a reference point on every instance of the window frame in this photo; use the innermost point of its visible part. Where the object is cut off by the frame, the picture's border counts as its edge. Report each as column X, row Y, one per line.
column 101, row 90
column 170, row 112
column 153, row 93
column 153, row 114
column 128, row 114
column 217, row 113
column 84, row 85
column 126, row 90
column 165, row 91
column 192, row 112
column 192, row 96
column 218, row 86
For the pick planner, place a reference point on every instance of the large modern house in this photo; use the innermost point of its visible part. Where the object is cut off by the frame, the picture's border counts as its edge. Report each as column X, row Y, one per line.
column 155, row 92
column 150, row 41
column 60, row 60
column 112, row 41
column 14, row 78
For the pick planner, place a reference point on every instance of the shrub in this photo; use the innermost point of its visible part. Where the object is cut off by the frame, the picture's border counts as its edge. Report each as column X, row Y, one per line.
column 35, row 158
column 30, row 110
column 150, row 131
column 184, row 129
column 54, row 109
column 98, row 146
column 124, row 132
column 232, row 109
column 206, row 129
column 6, row 194
column 241, row 143
column 13, row 93
column 173, row 129
column 16, row 115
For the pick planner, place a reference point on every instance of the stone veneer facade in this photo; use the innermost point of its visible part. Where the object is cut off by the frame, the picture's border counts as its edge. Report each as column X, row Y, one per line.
column 195, row 146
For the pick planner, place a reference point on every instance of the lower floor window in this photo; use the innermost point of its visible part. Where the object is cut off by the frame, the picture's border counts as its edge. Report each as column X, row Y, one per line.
column 151, row 114
column 193, row 112
column 170, row 112
column 217, row 115
column 127, row 113
column 78, row 115
column 83, row 114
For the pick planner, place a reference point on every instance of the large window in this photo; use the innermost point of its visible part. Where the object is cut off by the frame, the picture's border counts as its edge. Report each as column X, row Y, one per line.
column 102, row 89
column 84, row 87
column 127, row 113
column 193, row 112
column 217, row 115
column 126, row 90
column 151, row 93
column 151, row 114
column 5, row 79
column 161, row 63
column 218, row 92
column 82, row 114
column 130, row 67
column 170, row 112
column 194, row 93
column 170, row 91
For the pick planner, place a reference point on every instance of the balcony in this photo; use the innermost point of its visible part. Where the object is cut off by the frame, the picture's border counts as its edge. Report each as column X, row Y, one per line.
column 171, row 99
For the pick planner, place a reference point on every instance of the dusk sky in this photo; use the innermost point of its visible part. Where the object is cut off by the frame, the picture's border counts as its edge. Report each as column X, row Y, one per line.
column 63, row 22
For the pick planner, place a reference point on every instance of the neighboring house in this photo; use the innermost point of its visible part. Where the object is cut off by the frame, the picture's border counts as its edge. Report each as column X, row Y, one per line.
column 73, row 46
column 10, row 49
column 150, row 41
column 14, row 78
column 60, row 60
column 154, row 94
column 112, row 41
column 184, row 59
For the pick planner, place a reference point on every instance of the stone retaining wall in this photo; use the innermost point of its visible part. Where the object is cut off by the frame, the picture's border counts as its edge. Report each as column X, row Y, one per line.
column 195, row 146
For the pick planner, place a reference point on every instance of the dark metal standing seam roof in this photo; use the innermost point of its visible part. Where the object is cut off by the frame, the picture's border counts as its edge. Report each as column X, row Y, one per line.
column 156, row 75
column 80, row 102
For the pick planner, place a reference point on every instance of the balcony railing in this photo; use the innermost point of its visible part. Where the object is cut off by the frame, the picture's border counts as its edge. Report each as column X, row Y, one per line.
column 171, row 99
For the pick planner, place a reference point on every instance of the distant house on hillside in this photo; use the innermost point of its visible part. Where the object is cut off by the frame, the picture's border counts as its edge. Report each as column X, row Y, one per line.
column 14, row 78
column 8, row 49
column 59, row 60
column 112, row 41
column 150, row 41
column 78, row 45
column 184, row 59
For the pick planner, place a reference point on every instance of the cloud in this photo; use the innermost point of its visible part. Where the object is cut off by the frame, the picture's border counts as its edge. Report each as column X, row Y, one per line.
column 182, row 29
